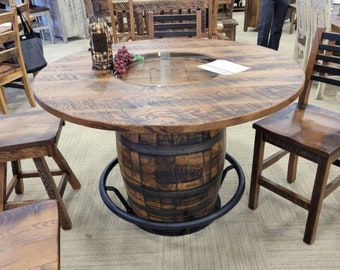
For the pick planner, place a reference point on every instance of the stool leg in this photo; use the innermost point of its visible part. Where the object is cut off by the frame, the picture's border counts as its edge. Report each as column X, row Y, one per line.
column 63, row 165
column 16, row 170
column 3, row 183
column 316, row 201
column 254, row 190
column 52, row 190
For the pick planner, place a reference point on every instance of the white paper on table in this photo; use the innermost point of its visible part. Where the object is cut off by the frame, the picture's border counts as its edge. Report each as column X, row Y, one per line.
column 223, row 67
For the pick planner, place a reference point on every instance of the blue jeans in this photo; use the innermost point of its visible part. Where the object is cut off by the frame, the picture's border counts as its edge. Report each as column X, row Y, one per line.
column 272, row 18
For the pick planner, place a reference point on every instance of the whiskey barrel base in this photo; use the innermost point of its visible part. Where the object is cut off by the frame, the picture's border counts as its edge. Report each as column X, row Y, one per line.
column 171, row 228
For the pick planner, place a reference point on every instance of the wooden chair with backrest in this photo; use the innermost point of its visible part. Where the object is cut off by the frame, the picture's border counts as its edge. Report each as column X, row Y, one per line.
column 303, row 33
column 121, row 18
column 23, row 5
column 131, row 16
column 225, row 22
column 30, row 237
column 103, row 9
column 226, row 7
column 175, row 25
column 306, row 131
column 37, row 14
column 33, row 135
column 207, row 9
column 42, row 18
column 320, row 17
column 11, row 71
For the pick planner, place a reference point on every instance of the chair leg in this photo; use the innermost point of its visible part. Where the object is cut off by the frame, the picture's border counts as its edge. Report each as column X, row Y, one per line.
column 3, row 183
column 3, row 106
column 256, row 170
column 318, row 196
column 16, row 170
column 3, row 93
column 52, row 190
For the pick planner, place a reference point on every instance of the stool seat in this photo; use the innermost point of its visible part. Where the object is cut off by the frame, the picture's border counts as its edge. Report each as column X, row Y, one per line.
column 37, row 129
column 30, row 237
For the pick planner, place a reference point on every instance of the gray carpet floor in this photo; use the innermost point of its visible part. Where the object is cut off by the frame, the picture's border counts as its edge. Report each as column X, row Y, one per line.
column 267, row 238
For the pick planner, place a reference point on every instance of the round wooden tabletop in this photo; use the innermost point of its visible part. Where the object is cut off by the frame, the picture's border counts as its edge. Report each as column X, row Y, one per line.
column 71, row 90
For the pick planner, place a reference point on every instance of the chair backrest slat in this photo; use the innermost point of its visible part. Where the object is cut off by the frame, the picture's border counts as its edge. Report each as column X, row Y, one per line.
column 327, row 69
column 8, row 54
column 175, row 17
column 330, row 35
column 326, row 80
column 174, row 25
column 22, row 5
column 329, row 58
column 324, row 62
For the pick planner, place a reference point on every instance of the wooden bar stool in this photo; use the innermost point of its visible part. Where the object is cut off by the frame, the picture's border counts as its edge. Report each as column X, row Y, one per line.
column 229, row 28
column 30, row 237
column 33, row 135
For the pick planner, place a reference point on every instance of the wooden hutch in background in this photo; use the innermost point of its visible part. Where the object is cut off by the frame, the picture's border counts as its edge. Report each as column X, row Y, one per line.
column 251, row 14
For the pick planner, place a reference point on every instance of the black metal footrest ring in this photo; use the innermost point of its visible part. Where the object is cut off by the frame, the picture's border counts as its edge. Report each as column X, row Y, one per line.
column 171, row 228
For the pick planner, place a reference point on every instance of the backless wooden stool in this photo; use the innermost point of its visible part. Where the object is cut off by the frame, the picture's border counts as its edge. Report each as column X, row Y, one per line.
column 29, row 237
column 33, row 135
column 229, row 28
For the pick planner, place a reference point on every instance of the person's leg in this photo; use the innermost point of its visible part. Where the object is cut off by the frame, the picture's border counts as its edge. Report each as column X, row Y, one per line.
column 265, row 21
column 280, row 10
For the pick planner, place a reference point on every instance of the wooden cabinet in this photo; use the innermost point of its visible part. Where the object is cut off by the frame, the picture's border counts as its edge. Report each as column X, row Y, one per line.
column 251, row 14
column 68, row 17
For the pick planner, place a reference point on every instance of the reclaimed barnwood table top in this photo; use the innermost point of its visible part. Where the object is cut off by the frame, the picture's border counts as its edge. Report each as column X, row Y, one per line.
column 71, row 90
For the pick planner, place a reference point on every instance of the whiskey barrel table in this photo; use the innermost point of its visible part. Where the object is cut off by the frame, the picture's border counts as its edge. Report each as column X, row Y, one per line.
column 170, row 118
